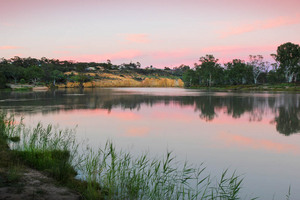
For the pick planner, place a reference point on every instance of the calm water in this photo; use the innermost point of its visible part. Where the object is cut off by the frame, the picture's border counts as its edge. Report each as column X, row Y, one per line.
column 256, row 134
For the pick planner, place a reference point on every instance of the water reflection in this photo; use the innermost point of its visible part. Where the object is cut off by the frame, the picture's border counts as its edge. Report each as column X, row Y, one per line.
column 284, row 107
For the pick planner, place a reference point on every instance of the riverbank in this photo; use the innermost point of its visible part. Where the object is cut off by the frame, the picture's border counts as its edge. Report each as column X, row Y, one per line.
column 264, row 87
column 106, row 80
column 20, row 181
column 26, row 87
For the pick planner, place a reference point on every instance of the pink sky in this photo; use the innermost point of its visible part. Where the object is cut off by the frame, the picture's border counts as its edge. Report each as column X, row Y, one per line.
column 158, row 33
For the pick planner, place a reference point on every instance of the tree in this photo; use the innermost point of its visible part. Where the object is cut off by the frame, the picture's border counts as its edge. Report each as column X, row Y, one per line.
column 239, row 72
column 258, row 66
column 56, row 75
column 208, row 69
column 190, row 78
column 81, row 78
column 33, row 74
column 288, row 57
column 178, row 71
column 15, row 72
column 2, row 80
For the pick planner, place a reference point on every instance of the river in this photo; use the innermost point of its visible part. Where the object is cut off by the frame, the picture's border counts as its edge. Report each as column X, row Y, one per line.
column 254, row 133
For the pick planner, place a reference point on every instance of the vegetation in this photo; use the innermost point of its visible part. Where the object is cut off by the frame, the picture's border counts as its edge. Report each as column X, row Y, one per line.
column 208, row 72
column 237, row 72
column 108, row 174
column 52, row 72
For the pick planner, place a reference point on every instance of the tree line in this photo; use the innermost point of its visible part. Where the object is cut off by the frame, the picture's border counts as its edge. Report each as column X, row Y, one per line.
column 52, row 71
column 208, row 72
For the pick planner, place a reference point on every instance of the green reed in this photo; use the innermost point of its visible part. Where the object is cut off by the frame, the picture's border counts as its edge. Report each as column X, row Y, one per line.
column 112, row 174
column 123, row 176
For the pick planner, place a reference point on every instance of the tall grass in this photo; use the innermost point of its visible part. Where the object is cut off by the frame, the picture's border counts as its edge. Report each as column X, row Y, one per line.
column 122, row 176
column 43, row 148
column 112, row 174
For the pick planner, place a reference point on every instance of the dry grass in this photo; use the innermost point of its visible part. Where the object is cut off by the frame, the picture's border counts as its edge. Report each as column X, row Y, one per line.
column 133, row 80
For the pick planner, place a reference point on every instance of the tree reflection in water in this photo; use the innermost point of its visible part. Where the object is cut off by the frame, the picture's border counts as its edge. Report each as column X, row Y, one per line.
column 284, row 106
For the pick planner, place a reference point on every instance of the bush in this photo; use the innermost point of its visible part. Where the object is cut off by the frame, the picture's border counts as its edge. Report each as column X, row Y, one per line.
column 2, row 80
column 22, row 81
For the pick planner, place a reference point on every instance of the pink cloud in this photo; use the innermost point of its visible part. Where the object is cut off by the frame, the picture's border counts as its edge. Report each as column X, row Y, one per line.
column 232, row 139
column 262, row 25
column 128, row 54
column 9, row 47
column 137, row 38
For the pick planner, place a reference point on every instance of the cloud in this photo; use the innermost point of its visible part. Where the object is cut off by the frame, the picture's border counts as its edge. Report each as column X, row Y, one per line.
column 261, row 25
column 137, row 38
column 9, row 47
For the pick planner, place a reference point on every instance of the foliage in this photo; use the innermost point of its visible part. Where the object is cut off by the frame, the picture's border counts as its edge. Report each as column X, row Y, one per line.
column 33, row 74
column 288, row 57
column 57, row 75
column 190, row 78
column 206, row 73
column 208, row 70
column 258, row 66
column 239, row 72
column 2, row 80
column 81, row 78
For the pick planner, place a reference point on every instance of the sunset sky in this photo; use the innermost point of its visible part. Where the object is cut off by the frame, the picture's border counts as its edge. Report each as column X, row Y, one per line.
column 159, row 33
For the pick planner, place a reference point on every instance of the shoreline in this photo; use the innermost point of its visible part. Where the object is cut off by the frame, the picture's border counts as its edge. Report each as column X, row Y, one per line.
column 236, row 88
column 252, row 88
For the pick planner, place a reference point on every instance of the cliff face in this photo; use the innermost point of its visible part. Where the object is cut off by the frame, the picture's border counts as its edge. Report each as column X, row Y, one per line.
column 111, row 80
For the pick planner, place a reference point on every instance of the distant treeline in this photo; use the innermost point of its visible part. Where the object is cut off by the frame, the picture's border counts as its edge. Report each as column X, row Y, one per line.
column 210, row 73
column 52, row 71
column 206, row 73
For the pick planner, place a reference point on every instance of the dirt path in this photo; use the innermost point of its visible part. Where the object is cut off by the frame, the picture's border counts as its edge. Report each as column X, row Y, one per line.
column 34, row 185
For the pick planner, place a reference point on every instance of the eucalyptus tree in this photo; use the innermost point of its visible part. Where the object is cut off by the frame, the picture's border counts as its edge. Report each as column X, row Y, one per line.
column 190, row 78
column 288, row 58
column 15, row 72
column 209, row 71
column 258, row 66
column 57, row 75
column 239, row 72
column 33, row 74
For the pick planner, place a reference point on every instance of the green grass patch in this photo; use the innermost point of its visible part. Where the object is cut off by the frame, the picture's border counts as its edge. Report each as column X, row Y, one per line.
column 55, row 163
